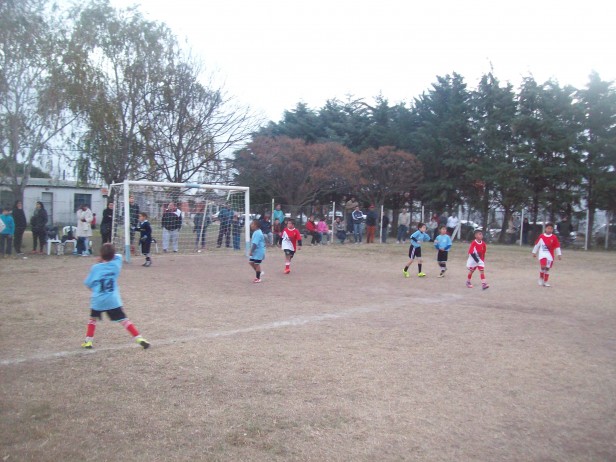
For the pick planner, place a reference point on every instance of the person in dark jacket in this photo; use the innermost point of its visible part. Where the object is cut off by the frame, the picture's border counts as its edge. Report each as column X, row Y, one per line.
column 38, row 222
column 172, row 222
column 225, row 215
column 107, row 223
column 371, row 219
column 21, row 223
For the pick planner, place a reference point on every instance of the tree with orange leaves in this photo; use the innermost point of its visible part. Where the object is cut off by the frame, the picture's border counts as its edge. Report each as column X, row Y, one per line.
column 296, row 172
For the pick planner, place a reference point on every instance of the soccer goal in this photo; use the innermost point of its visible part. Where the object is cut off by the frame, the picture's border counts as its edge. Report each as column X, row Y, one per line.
column 185, row 218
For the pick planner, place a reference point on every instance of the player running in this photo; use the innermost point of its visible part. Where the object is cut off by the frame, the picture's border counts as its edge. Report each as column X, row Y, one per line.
column 417, row 238
column 546, row 247
column 291, row 243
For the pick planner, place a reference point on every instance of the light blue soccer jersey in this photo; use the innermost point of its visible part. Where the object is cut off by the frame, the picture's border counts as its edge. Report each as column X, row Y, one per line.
column 417, row 237
column 103, row 280
column 442, row 242
column 258, row 243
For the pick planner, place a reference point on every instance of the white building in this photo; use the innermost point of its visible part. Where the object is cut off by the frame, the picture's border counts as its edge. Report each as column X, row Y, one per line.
column 61, row 199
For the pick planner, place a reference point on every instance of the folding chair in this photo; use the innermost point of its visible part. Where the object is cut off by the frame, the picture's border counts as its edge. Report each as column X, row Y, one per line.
column 66, row 231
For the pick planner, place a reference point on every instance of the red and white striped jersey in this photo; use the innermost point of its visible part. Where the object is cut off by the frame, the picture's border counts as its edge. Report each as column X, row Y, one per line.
column 290, row 237
column 547, row 246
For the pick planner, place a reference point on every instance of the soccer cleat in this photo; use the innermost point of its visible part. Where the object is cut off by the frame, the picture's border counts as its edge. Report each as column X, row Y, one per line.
column 256, row 281
column 87, row 345
column 484, row 286
column 540, row 282
column 545, row 284
column 143, row 342
column 442, row 275
column 287, row 270
column 147, row 263
column 406, row 273
column 421, row 275
column 469, row 285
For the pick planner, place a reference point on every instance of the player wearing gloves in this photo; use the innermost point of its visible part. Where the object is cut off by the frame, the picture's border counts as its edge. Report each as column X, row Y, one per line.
column 546, row 247
column 143, row 226
column 417, row 238
column 442, row 243
column 476, row 257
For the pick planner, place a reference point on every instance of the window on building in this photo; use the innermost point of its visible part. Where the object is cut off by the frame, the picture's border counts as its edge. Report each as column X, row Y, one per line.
column 83, row 199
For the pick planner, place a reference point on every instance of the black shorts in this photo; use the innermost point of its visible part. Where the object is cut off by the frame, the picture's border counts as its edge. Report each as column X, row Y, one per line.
column 414, row 252
column 115, row 314
column 289, row 253
column 442, row 255
column 145, row 247
column 252, row 260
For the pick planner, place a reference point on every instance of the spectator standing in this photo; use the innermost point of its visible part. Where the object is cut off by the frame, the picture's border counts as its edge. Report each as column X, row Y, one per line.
column 84, row 230
column 371, row 218
column 225, row 214
column 384, row 228
column 278, row 215
column 277, row 228
column 172, row 223
column 201, row 221
column 6, row 232
column 21, row 223
column 107, row 223
column 525, row 231
column 358, row 219
column 235, row 231
column 133, row 213
column 433, row 228
column 349, row 207
column 340, row 230
column 404, row 221
column 38, row 222
column 452, row 224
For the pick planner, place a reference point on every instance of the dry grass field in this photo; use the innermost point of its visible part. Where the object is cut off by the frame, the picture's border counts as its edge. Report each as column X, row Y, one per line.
column 342, row 360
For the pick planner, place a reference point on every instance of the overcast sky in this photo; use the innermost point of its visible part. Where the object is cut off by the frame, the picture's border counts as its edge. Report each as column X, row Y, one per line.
column 272, row 54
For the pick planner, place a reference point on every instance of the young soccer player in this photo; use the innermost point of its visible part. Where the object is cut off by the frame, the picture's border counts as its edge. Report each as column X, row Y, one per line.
column 257, row 249
column 291, row 243
column 143, row 226
column 103, row 281
column 476, row 257
column 442, row 243
column 417, row 238
column 547, row 246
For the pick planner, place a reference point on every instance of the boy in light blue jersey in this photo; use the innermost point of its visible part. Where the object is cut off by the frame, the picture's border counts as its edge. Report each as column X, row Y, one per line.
column 103, row 281
column 417, row 238
column 257, row 249
column 442, row 243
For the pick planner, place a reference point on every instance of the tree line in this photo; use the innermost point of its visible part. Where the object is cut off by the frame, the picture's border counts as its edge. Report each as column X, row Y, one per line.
column 115, row 96
column 548, row 148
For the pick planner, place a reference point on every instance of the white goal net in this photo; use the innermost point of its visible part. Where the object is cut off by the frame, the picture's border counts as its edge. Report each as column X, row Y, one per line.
column 185, row 218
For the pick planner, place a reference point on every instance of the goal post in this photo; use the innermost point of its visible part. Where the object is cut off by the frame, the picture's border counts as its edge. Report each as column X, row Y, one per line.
column 186, row 218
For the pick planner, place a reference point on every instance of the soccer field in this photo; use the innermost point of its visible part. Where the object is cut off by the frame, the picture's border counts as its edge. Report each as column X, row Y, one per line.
column 342, row 360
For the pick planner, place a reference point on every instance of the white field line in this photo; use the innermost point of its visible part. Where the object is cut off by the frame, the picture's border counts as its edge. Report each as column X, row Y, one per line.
column 291, row 322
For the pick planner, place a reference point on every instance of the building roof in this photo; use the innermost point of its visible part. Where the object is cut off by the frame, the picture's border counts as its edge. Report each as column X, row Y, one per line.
column 53, row 183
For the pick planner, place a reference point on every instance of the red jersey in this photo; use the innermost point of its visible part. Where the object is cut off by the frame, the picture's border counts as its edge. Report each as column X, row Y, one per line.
column 476, row 254
column 547, row 245
column 311, row 227
column 290, row 238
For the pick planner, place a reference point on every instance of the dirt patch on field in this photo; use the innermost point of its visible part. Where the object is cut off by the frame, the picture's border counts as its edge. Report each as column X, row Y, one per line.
column 343, row 359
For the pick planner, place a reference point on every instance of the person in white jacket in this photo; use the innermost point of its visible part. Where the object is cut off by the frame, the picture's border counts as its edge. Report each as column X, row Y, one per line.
column 84, row 229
